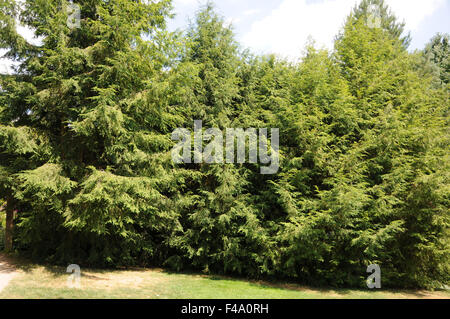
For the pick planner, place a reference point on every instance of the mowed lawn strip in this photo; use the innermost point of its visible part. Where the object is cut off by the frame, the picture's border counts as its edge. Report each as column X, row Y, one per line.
column 44, row 282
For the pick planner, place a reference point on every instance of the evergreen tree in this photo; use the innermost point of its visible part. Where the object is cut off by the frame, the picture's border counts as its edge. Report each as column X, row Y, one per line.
column 437, row 53
column 376, row 13
column 221, row 230
column 399, row 148
column 89, row 94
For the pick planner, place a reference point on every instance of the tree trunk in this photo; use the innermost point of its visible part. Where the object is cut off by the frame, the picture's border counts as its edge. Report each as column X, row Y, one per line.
column 9, row 226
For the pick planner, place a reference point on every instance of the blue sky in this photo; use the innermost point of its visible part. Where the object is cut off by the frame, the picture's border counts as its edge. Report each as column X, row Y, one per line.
column 283, row 26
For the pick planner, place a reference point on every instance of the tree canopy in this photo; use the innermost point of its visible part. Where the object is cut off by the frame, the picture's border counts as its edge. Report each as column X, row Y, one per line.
column 87, row 117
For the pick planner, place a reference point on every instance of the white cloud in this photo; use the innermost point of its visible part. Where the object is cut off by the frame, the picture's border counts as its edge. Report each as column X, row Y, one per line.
column 177, row 3
column 414, row 12
column 286, row 30
column 250, row 12
column 5, row 65
column 29, row 35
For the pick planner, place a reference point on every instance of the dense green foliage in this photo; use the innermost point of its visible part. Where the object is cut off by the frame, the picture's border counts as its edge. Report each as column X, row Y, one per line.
column 437, row 54
column 85, row 147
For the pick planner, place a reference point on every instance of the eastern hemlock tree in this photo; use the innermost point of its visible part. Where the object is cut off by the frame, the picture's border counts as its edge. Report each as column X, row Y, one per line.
column 91, row 95
column 398, row 159
column 378, row 13
column 437, row 53
column 319, row 126
column 220, row 229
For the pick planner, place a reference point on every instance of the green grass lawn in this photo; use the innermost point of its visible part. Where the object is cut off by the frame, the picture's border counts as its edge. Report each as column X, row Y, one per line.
column 36, row 281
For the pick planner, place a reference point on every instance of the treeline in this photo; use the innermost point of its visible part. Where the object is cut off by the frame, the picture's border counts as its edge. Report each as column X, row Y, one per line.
column 85, row 154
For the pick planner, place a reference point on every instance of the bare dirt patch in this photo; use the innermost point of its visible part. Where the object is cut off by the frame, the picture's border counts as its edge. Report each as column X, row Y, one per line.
column 7, row 271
